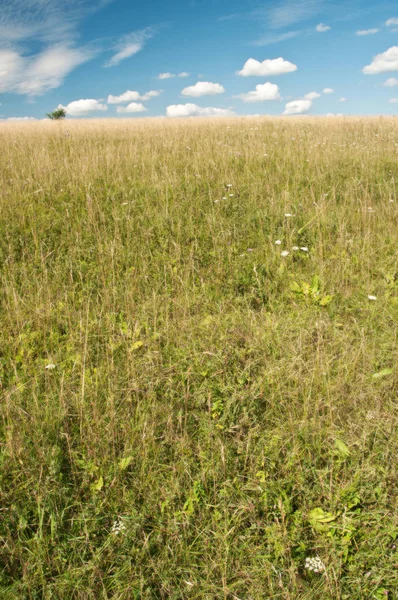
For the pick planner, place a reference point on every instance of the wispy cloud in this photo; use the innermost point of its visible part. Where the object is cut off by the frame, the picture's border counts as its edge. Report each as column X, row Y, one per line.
column 44, row 20
column 36, row 74
column 284, row 13
column 288, row 12
column 274, row 38
column 130, row 44
column 38, row 43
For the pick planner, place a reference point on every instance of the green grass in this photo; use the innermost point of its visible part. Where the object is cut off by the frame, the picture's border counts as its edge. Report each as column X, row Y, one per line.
column 234, row 410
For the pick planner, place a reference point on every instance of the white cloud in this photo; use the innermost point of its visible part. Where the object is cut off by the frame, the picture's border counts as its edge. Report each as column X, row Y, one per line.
column 343, row 99
column 277, row 66
column 391, row 22
column 35, row 75
column 312, row 96
column 80, row 108
column 321, row 28
column 133, row 107
column 264, row 91
column 151, row 94
column 193, row 110
column 297, row 107
column 391, row 82
column 393, row 101
column 168, row 75
column 132, row 95
column 367, row 31
column 129, row 45
column 328, row 91
column 19, row 119
column 274, row 38
column 383, row 62
column 334, row 114
column 203, row 88
column 286, row 12
column 47, row 21
column 126, row 97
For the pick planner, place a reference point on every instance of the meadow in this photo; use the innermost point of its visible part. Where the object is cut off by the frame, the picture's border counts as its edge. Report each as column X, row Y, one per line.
column 198, row 359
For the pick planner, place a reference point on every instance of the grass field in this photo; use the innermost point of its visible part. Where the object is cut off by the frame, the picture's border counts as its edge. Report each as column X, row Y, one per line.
column 186, row 411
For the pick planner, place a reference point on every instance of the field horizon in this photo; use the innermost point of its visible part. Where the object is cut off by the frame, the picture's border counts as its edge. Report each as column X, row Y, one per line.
column 198, row 350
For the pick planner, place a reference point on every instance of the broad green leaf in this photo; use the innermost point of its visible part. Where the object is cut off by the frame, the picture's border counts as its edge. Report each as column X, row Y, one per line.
column 319, row 519
column 382, row 373
column 125, row 462
column 136, row 345
column 98, row 485
column 341, row 448
column 325, row 300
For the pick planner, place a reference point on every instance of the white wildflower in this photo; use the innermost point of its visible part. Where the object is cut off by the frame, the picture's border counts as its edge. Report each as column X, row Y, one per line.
column 295, row 248
column 230, row 195
column 118, row 526
column 372, row 297
column 50, row 367
column 284, row 253
column 278, row 243
column 229, row 184
column 304, row 248
column 314, row 564
column 288, row 215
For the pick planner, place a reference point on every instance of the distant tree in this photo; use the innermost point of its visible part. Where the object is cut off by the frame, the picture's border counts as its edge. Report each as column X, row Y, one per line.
column 57, row 114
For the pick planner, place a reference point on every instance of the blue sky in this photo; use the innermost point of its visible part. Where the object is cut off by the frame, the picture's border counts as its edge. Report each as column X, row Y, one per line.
column 118, row 58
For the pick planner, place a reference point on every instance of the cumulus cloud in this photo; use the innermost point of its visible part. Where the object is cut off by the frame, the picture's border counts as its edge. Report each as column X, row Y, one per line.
column 35, row 75
column 126, row 97
column 321, row 28
column 391, row 82
column 183, row 74
column 343, row 99
column 312, row 96
column 367, row 31
column 393, row 101
column 132, row 95
column 264, row 91
column 391, row 22
column 297, row 107
column 133, row 107
column 328, row 91
column 151, row 94
column 79, row 108
column 383, row 62
column 203, row 88
column 130, row 44
column 193, row 110
column 276, row 66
